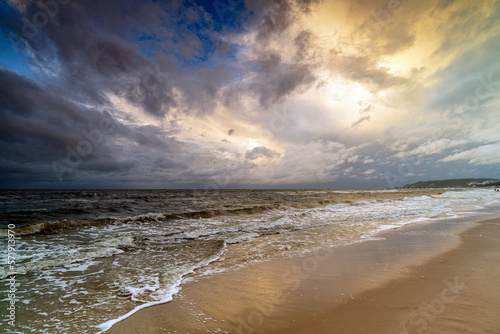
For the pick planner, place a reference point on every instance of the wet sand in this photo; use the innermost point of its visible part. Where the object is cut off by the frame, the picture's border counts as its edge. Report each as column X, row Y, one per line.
column 439, row 277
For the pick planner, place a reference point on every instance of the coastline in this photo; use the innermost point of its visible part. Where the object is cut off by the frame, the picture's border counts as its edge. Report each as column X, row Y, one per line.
column 380, row 285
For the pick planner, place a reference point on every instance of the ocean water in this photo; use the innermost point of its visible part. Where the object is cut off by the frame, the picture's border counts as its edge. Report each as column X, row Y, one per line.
column 87, row 258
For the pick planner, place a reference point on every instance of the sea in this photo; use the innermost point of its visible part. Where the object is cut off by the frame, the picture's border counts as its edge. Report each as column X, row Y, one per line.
column 86, row 259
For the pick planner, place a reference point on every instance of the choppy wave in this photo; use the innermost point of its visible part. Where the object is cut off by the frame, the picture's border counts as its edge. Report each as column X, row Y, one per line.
column 50, row 227
column 108, row 267
column 34, row 207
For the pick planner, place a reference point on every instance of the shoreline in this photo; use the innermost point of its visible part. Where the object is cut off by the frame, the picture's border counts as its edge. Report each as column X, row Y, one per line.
column 453, row 292
column 295, row 295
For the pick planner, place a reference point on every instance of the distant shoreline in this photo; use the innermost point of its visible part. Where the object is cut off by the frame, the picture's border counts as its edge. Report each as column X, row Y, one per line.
column 455, row 183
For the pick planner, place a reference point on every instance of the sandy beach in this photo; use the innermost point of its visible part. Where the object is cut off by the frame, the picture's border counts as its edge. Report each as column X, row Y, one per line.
column 250, row 167
column 437, row 277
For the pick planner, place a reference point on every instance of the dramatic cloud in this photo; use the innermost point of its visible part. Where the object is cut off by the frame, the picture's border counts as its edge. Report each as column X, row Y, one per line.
column 252, row 93
column 261, row 152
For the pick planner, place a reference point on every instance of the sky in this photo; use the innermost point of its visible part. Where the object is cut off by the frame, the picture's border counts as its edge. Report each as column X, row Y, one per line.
column 248, row 93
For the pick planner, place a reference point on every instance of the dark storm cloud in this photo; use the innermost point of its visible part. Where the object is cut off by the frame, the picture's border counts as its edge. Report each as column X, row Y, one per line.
column 94, row 47
column 274, row 17
column 136, row 50
column 271, row 83
column 303, row 44
column 276, row 20
column 273, row 79
column 38, row 123
column 44, row 137
column 282, row 82
column 267, row 62
column 25, row 103
column 365, row 70
column 201, row 92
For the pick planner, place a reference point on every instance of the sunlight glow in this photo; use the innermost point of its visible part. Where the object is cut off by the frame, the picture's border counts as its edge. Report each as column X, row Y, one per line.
column 252, row 143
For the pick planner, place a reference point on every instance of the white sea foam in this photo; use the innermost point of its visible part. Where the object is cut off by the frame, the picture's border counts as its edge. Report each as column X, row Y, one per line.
column 168, row 296
column 108, row 324
column 34, row 256
column 241, row 237
column 417, row 198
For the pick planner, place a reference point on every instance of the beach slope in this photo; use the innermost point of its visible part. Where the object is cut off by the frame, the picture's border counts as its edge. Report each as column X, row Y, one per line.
column 432, row 278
